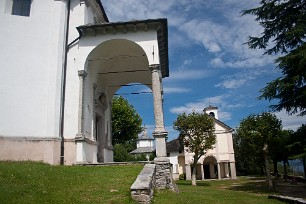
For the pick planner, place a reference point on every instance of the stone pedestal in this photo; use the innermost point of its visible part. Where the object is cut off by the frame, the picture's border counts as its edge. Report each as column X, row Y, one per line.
column 163, row 176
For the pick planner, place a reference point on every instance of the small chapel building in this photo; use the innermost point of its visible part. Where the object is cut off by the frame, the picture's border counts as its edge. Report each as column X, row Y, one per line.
column 217, row 163
column 145, row 144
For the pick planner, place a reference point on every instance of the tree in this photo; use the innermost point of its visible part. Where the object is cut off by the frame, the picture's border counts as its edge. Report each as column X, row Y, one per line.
column 297, row 146
column 126, row 123
column 248, row 154
column 284, row 24
column 197, row 132
column 261, row 130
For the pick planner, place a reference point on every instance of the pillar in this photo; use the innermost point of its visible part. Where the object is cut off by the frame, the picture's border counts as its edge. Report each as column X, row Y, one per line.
column 233, row 170
column 82, row 75
column 163, row 178
column 202, row 171
column 159, row 132
column 94, row 135
column 219, row 170
column 226, row 170
column 188, row 172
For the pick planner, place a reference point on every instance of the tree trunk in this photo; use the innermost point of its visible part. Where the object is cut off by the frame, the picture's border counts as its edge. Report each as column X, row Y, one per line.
column 267, row 164
column 304, row 165
column 193, row 175
column 194, row 170
column 285, row 170
column 275, row 169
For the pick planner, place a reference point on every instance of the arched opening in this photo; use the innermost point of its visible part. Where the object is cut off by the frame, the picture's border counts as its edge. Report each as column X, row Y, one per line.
column 111, row 65
column 210, row 168
column 140, row 97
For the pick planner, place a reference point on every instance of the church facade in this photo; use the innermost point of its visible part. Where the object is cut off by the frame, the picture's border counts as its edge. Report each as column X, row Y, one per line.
column 62, row 61
column 217, row 163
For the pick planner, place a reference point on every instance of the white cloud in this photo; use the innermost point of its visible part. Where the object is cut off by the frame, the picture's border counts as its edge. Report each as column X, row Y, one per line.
column 291, row 122
column 232, row 83
column 257, row 61
column 245, row 77
column 188, row 74
column 199, row 105
column 169, row 90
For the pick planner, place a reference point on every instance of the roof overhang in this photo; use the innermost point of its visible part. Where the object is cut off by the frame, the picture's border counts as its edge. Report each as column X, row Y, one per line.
column 160, row 25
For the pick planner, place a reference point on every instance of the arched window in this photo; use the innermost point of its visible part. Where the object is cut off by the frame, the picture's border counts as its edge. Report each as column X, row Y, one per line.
column 21, row 7
column 212, row 114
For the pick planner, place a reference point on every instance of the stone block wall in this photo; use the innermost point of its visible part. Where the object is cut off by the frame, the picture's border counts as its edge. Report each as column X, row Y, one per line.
column 157, row 175
column 142, row 188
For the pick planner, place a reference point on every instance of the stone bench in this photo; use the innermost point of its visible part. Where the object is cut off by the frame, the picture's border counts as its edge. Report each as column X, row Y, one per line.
column 287, row 199
column 142, row 188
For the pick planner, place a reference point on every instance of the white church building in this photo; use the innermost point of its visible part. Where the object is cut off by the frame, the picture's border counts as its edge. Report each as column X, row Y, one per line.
column 61, row 63
column 217, row 163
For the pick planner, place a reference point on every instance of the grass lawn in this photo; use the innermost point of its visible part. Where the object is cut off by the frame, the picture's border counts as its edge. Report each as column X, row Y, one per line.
column 243, row 190
column 28, row 182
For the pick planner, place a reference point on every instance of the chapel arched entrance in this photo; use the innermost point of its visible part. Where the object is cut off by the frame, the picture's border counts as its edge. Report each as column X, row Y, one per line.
column 210, row 168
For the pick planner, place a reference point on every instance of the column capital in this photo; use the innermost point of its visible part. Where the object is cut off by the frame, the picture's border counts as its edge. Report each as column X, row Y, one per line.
column 154, row 67
column 82, row 73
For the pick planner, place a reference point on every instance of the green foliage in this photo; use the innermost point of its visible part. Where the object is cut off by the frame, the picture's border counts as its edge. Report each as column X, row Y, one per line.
column 126, row 123
column 182, row 176
column 197, row 133
column 297, row 146
column 284, row 32
column 297, row 143
column 251, row 136
column 121, row 154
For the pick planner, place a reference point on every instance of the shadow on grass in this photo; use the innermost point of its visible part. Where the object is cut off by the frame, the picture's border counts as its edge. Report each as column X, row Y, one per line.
column 253, row 185
column 188, row 183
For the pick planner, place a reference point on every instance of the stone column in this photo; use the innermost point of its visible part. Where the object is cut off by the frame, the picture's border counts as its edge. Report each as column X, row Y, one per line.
column 94, row 132
column 226, row 170
column 233, row 170
column 202, row 171
column 219, row 170
column 162, row 163
column 82, row 75
column 159, row 132
column 188, row 172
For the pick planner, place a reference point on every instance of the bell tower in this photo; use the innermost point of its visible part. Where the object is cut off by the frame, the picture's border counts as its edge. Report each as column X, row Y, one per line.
column 211, row 111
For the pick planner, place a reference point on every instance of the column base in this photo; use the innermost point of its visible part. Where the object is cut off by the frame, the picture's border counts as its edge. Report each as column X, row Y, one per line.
column 163, row 177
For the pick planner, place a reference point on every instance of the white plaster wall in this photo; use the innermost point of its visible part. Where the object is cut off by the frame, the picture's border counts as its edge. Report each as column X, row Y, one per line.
column 145, row 143
column 86, row 153
column 31, row 58
column 174, row 161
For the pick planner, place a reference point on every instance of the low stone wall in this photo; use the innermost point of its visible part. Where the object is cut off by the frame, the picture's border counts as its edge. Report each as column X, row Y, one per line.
column 287, row 199
column 143, row 187
column 163, row 174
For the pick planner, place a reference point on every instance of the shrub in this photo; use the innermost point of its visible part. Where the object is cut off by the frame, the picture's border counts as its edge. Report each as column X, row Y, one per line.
column 182, row 176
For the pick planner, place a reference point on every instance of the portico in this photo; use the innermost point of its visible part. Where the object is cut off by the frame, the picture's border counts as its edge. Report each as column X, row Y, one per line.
column 106, row 57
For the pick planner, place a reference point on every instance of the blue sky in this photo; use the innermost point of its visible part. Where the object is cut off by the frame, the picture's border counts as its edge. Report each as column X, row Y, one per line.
column 208, row 60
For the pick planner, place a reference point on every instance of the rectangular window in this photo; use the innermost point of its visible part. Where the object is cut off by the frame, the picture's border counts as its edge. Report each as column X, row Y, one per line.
column 21, row 7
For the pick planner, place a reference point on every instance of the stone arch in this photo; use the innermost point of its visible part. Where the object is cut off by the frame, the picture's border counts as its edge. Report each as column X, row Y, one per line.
column 118, row 62
column 107, row 57
column 110, row 65
column 210, row 167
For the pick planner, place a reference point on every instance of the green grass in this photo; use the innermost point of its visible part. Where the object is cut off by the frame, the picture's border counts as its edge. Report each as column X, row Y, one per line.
column 41, row 183
column 29, row 182
column 243, row 190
